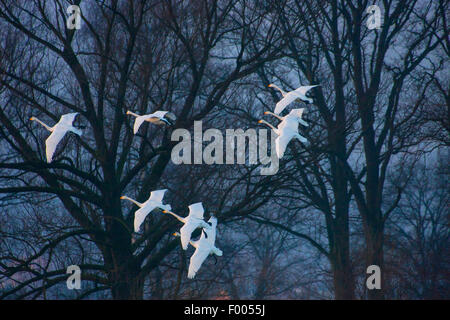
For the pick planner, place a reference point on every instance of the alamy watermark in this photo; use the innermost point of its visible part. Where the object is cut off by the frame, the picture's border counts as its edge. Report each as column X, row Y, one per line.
column 74, row 20
column 235, row 140
column 374, row 19
column 374, row 280
column 74, row 280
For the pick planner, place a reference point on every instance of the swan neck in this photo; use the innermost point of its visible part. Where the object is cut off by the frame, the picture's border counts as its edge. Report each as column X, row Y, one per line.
column 134, row 201
column 175, row 215
column 275, row 115
column 42, row 123
column 268, row 124
column 281, row 90
column 133, row 114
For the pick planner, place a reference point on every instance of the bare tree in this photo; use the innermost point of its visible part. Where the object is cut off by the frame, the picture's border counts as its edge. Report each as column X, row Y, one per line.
column 350, row 194
column 366, row 115
column 139, row 56
column 418, row 236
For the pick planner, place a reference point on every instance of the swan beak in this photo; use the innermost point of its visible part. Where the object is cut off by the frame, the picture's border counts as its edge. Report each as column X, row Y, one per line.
column 165, row 211
column 265, row 112
column 122, row 197
column 259, row 121
column 174, row 234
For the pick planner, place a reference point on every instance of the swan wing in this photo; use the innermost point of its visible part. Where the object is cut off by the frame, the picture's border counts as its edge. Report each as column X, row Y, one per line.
column 158, row 114
column 138, row 122
column 140, row 215
column 52, row 142
column 157, row 117
column 282, row 141
column 186, row 232
column 157, row 195
column 304, row 89
column 68, row 118
column 283, row 103
column 196, row 210
column 200, row 255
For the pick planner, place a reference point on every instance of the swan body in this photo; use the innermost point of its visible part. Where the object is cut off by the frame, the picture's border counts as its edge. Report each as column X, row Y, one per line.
column 204, row 247
column 291, row 96
column 153, row 202
column 286, row 130
column 158, row 117
column 193, row 221
column 58, row 131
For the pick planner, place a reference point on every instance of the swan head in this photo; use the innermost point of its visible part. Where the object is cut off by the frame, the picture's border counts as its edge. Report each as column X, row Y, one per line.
column 128, row 112
column 32, row 118
column 271, row 85
column 176, row 234
column 266, row 112
column 260, row 121
column 123, row 197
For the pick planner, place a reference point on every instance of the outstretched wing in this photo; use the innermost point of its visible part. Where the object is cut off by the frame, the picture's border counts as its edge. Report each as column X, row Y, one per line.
column 304, row 89
column 157, row 117
column 138, row 122
column 52, row 142
column 170, row 117
column 157, row 195
column 297, row 112
column 283, row 103
column 186, row 232
column 68, row 118
column 200, row 254
column 140, row 215
column 282, row 141
column 196, row 210
column 159, row 114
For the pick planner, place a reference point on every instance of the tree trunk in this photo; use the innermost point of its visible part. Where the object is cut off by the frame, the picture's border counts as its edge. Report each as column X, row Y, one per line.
column 344, row 286
column 127, row 287
column 126, row 283
column 124, row 270
column 343, row 282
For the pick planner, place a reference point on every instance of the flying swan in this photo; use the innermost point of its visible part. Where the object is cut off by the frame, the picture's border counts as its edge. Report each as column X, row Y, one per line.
column 291, row 96
column 203, row 247
column 153, row 202
column 286, row 130
column 57, row 132
column 193, row 221
column 158, row 117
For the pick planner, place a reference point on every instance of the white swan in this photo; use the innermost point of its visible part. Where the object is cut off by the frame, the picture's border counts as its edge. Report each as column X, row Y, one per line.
column 158, row 117
column 57, row 132
column 193, row 221
column 286, row 130
column 203, row 248
column 300, row 120
column 289, row 97
column 153, row 202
